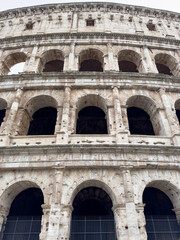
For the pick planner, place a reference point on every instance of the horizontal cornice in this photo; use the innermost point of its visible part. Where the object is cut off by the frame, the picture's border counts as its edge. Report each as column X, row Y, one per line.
column 150, row 81
column 90, row 7
column 66, row 38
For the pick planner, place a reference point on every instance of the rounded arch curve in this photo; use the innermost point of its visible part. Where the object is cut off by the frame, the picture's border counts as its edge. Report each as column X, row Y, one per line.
column 95, row 56
column 12, row 59
column 166, row 63
column 39, row 102
column 93, row 183
column 149, row 106
column 51, row 56
column 129, row 58
column 14, row 189
column 169, row 189
column 91, row 100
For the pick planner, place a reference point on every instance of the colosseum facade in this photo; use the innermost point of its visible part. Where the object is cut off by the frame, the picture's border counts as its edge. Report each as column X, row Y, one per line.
column 90, row 133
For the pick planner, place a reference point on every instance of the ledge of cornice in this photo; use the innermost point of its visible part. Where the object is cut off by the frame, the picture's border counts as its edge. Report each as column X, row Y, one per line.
column 75, row 36
column 105, row 6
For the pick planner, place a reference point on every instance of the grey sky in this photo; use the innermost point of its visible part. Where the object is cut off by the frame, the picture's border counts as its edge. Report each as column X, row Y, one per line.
column 173, row 5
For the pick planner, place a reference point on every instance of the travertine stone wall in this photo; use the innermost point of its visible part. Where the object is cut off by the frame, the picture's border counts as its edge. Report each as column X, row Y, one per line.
column 123, row 165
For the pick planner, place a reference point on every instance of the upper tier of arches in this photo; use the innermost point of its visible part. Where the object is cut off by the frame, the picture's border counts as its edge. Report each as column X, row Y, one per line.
column 92, row 58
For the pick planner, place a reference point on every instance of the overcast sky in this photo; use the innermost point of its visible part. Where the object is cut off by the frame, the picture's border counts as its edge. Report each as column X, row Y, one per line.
column 172, row 5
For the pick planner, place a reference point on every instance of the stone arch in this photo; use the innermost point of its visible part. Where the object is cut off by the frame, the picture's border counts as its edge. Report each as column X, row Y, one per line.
column 93, row 183
column 149, row 106
column 54, row 57
column 38, row 102
column 130, row 59
column 177, row 109
column 169, row 189
column 12, row 59
column 32, row 106
column 99, row 107
column 161, row 199
column 13, row 190
column 95, row 56
column 166, row 63
column 91, row 100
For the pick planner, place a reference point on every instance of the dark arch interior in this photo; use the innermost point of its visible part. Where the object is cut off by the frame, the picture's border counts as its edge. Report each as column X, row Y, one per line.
column 91, row 65
column 161, row 221
column 24, row 219
column 92, row 201
column 2, row 115
column 92, row 217
column 91, row 120
column 27, row 203
column 157, row 202
column 54, row 66
column 139, row 122
column 178, row 114
column 127, row 66
column 163, row 69
column 44, row 121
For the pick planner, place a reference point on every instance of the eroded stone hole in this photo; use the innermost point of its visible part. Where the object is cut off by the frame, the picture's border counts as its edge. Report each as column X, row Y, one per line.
column 163, row 69
column 151, row 27
column 127, row 66
column 24, row 219
column 92, row 217
column 161, row 221
column 54, row 66
column 91, row 120
column 44, row 121
column 139, row 122
column 91, row 65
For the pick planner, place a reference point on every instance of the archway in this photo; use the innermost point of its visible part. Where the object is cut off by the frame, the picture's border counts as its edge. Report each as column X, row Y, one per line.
column 24, row 219
column 13, row 60
column 139, row 122
column 161, row 221
column 129, row 61
column 166, row 64
column 92, row 217
column 91, row 60
column 91, row 120
column 143, row 116
column 52, row 61
column 44, row 121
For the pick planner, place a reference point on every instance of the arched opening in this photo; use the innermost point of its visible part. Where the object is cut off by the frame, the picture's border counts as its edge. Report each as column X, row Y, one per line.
column 161, row 221
column 52, row 61
column 166, row 64
column 163, row 69
column 24, row 219
column 14, row 63
column 139, row 122
column 91, row 60
column 91, row 65
column 127, row 66
column 129, row 61
column 92, row 217
column 43, row 122
column 54, row 66
column 91, row 120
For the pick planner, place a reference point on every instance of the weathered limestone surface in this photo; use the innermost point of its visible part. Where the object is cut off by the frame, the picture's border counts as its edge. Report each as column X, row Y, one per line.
column 123, row 165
